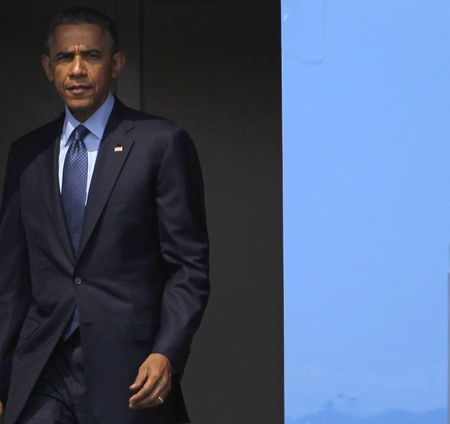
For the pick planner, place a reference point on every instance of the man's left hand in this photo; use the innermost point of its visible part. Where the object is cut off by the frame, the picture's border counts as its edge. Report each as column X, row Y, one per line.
column 153, row 382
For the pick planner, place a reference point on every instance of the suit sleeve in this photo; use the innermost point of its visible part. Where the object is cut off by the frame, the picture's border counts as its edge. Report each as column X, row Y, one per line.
column 184, row 247
column 15, row 291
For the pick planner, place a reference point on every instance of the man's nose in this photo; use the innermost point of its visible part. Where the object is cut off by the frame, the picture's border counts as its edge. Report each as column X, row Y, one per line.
column 78, row 68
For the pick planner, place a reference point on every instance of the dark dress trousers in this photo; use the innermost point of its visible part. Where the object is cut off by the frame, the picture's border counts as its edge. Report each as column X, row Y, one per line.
column 140, row 279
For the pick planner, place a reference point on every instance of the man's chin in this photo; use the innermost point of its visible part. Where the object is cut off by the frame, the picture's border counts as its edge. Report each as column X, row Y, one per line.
column 81, row 108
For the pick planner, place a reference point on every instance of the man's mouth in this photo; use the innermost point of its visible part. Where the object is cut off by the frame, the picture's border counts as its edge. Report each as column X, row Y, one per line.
column 78, row 88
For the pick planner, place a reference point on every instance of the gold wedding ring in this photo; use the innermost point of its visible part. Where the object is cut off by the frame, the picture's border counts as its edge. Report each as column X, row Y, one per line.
column 160, row 399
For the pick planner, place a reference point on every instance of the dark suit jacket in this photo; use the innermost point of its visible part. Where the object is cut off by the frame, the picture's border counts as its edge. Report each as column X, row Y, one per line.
column 140, row 279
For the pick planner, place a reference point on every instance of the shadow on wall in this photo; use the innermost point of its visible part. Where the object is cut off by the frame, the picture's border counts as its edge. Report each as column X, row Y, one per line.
column 331, row 416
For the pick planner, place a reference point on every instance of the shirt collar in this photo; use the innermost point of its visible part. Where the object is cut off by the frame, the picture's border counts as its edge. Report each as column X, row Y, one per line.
column 96, row 123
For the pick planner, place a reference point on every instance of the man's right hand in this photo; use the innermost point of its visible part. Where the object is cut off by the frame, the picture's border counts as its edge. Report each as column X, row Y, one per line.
column 1, row 408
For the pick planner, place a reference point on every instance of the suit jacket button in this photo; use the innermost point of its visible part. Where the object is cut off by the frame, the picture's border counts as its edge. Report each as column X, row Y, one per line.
column 78, row 281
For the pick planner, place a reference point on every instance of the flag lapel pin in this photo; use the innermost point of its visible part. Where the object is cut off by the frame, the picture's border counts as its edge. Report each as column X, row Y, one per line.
column 118, row 148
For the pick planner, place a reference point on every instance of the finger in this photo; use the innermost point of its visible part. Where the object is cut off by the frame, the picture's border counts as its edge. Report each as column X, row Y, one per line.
column 140, row 379
column 161, row 390
column 147, row 388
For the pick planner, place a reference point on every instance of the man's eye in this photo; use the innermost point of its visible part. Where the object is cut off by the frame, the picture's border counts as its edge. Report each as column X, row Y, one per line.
column 64, row 58
column 94, row 55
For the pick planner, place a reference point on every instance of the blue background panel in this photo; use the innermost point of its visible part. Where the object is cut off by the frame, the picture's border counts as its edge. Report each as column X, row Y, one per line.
column 366, row 156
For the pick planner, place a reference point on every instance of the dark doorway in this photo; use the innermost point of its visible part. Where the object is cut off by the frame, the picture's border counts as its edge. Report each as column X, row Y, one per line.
column 214, row 68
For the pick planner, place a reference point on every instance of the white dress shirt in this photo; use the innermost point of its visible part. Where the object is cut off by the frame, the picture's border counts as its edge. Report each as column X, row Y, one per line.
column 96, row 125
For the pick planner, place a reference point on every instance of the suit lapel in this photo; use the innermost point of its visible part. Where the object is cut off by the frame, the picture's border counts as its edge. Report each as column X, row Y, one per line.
column 49, row 183
column 112, row 154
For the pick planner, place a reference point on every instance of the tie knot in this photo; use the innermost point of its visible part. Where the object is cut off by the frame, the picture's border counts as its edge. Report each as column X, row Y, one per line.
column 80, row 132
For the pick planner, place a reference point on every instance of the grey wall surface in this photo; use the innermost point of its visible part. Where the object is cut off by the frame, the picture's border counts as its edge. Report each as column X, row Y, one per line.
column 214, row 68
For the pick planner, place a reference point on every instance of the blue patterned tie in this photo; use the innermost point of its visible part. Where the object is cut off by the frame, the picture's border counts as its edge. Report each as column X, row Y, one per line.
column 74, row 184
column 73, row 196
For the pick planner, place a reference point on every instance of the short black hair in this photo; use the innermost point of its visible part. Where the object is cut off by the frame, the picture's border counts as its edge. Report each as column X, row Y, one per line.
column 85, row 15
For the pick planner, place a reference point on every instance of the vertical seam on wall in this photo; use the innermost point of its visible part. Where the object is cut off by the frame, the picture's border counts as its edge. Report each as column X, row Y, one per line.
column 141, row 55
column 115, row 21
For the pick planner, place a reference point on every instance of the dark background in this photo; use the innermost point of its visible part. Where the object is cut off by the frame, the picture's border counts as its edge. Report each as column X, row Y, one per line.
column 213, row 67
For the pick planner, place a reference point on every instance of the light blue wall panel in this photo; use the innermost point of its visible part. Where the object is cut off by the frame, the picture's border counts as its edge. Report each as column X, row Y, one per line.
column 366, row 122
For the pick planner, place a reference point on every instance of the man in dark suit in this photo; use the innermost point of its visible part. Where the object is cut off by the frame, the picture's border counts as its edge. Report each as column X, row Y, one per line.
column 103, row 247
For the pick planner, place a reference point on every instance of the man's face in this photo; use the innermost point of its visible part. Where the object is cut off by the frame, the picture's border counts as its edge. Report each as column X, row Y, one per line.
column 81, row 65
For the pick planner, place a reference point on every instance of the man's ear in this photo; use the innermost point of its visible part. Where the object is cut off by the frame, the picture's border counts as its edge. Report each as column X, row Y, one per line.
column 118, row 63
column 45, row 61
